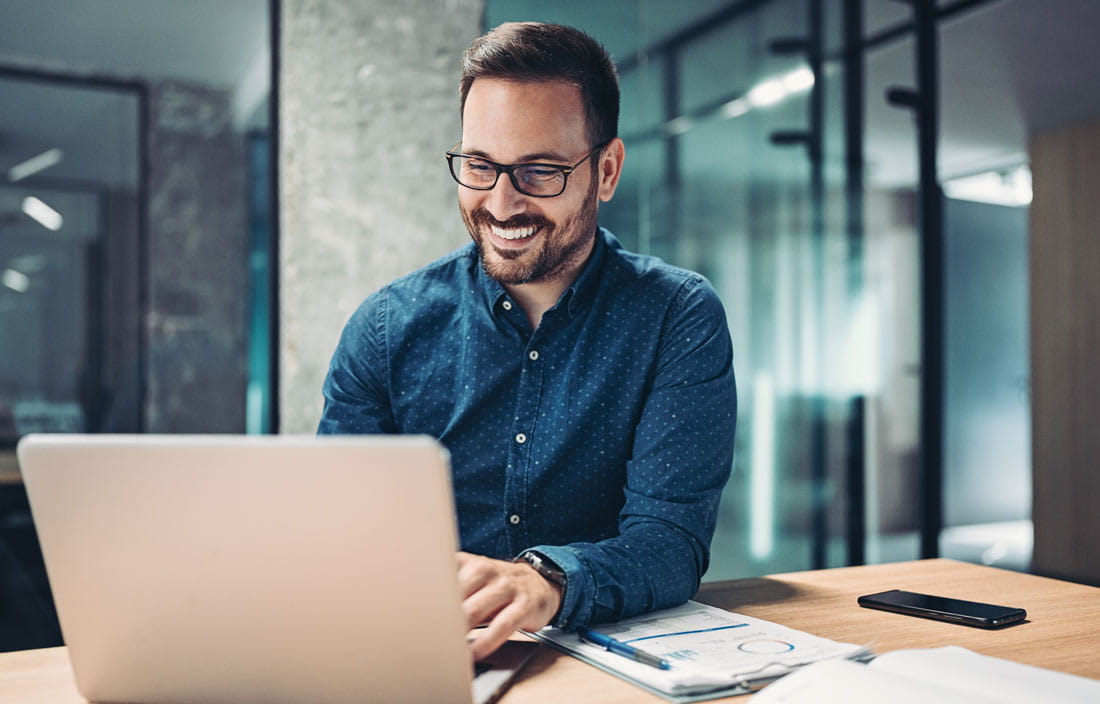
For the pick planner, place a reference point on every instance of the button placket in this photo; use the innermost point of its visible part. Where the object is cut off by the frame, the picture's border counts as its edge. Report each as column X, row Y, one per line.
column 526, row 418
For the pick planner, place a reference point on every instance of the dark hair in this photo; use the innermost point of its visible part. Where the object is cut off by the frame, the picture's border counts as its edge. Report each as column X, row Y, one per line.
column 534, row 51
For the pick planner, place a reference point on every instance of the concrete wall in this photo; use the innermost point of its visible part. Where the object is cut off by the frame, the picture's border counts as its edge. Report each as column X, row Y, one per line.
column 368, row 93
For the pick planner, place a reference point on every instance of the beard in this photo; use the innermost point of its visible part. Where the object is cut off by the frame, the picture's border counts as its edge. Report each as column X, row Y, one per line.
column 559, row 245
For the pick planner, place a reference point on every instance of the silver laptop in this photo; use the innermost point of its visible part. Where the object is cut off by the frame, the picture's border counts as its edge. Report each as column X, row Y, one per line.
column 254, row 568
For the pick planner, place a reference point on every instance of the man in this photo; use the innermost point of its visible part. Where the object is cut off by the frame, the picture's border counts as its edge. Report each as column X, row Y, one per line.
column 585, row 393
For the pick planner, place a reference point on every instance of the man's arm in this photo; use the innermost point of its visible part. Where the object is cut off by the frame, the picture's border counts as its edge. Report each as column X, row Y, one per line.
column 681, row 459
column 356, row 396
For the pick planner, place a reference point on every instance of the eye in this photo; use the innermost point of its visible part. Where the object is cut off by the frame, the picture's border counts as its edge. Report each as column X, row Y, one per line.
column 476, row 166
column 540, row 173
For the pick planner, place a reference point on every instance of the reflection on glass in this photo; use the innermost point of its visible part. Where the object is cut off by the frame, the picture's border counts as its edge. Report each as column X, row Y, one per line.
column 43, row 311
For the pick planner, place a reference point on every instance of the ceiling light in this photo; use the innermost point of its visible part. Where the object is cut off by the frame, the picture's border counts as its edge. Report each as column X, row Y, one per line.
column 43, row 214
column 15, row 280
column 1011, row 187
column 31, row 166
column 798, row 80
column 767, row 93
column 735, row 108
column 679, row 125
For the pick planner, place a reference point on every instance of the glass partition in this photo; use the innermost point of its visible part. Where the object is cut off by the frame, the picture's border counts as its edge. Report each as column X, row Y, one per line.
column 69, row 258
column 136, row 213
column 733, row 171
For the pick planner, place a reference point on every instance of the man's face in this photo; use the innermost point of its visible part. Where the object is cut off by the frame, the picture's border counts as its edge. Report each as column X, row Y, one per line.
column 522, row 239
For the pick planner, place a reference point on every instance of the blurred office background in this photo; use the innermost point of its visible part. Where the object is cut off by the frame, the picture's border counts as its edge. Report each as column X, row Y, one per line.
column 195, row 194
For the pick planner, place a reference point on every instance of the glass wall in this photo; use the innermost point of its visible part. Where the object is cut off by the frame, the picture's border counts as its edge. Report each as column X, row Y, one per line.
column 733, row 171
column 131, row 208
column 69, row 243
column 792, row 184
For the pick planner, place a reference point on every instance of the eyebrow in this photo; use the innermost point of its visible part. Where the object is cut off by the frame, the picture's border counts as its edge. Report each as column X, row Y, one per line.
column 525, row 159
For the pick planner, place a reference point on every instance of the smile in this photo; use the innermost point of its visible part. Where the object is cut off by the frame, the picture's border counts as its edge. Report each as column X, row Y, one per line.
column 515, row 233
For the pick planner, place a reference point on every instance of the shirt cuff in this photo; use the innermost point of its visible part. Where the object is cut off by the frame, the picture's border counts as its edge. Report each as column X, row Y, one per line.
column 580, row 588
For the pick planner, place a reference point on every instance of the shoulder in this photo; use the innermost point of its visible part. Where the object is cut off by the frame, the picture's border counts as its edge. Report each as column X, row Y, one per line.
column 641, row 274
column 454, row 269
column 427, row 287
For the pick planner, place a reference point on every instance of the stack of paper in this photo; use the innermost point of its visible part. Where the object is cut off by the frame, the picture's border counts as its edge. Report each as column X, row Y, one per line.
column 712, row 652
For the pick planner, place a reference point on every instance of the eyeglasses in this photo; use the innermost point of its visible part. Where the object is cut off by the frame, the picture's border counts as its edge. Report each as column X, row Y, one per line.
column 531, row 179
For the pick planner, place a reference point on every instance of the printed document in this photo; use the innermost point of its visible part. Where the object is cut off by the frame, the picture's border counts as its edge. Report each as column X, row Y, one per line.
column 712, row 652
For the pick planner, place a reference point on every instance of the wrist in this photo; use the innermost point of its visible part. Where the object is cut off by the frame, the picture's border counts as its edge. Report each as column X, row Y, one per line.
column 550, row 572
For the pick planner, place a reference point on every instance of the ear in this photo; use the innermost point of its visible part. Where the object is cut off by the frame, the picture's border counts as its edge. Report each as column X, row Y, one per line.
column 610, row 168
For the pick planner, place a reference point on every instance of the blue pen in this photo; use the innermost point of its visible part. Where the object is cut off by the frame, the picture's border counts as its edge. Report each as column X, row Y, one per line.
column 620, row 648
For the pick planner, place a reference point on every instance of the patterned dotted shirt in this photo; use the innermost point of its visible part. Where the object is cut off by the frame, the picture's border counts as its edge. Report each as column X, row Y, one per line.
column 602, row 439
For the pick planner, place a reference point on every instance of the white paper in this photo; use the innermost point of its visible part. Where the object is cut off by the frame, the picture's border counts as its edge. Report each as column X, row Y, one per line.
column 948, row 675
column 1001, row 680
column 847, row 682
column 707, row 648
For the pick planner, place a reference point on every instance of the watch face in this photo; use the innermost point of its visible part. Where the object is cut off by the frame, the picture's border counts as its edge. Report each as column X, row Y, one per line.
column 545, row 568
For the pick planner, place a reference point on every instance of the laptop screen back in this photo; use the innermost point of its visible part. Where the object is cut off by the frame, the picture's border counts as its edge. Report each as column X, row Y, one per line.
column 249, row 569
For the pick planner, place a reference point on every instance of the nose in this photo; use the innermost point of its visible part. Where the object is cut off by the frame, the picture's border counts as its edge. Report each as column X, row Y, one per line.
column 504, row 201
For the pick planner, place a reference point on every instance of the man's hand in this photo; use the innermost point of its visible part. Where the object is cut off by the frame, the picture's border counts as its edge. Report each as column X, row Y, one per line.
column 505, row 595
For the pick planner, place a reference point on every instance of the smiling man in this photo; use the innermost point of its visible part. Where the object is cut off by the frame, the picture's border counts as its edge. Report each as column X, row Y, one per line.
column 586, row 394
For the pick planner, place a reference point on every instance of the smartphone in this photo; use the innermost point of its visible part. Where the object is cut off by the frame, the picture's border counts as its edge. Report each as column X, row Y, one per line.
column 971, row 613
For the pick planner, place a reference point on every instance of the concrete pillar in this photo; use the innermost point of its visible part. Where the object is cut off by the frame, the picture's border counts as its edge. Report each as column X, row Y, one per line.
column 196, row 328
column 368, row 98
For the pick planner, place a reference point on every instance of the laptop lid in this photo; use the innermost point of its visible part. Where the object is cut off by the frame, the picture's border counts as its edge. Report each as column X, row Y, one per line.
column 252, row 569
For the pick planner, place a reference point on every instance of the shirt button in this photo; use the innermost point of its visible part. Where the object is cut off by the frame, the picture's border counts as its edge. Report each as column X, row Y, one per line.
column 514, row 519
column 521, row 438
column 507, row 305
column 533, row 355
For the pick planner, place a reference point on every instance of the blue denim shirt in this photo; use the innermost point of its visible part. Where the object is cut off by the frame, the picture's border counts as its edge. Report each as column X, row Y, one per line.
column 602, row 439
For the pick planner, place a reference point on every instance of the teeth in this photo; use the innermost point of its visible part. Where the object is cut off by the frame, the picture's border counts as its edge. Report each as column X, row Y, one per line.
column 513, row 234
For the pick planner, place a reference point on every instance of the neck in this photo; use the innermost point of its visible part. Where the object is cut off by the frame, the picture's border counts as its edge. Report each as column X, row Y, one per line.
column 537, row 297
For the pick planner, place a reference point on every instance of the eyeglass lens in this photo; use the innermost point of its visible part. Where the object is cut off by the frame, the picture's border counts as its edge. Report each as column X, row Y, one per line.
column 532, row 179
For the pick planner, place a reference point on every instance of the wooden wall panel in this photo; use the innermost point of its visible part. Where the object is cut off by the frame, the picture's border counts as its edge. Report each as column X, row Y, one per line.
column 1065, row 351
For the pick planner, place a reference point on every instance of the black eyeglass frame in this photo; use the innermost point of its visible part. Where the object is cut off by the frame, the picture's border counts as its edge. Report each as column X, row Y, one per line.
column 511, row 168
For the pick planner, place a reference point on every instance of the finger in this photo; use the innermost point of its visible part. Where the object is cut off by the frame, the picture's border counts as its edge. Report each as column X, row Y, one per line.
column 483, row 605
column 497, row 632
column 474, row 573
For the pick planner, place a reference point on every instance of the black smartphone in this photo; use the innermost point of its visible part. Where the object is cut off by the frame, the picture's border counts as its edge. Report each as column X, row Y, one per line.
column 971, row 613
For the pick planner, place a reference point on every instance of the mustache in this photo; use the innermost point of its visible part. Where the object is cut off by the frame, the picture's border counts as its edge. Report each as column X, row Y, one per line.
column 481, row 216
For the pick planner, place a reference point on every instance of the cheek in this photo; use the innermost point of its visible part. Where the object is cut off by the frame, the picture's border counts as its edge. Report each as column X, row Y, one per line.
column 472, row 199
column 467, row 199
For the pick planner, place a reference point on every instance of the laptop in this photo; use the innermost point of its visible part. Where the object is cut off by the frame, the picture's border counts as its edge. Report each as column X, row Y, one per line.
column 256, row 568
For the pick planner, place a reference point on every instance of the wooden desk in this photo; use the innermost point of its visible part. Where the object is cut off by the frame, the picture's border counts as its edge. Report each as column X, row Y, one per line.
column 1061, row 632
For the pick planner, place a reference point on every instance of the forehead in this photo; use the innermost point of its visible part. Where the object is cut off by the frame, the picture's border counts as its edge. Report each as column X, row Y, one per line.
column 514, row 120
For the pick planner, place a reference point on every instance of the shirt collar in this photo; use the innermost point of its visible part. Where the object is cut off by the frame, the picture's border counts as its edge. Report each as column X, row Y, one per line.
column 584, row 287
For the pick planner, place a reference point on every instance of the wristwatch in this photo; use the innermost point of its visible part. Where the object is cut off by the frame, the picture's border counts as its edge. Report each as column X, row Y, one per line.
column 547, row 569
